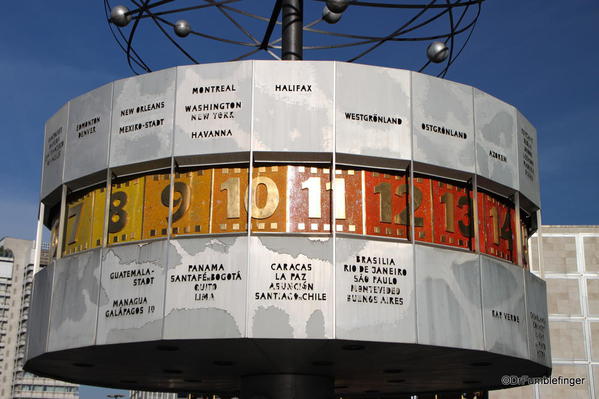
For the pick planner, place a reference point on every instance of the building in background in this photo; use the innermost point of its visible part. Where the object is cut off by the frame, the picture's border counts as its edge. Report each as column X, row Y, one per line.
column 16, row 276
column 170, row 395
column 152, row 395
column 567, row 257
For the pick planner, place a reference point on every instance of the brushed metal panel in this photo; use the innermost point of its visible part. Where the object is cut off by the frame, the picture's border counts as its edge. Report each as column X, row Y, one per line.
column 54, row 148
column 374, row 291
column 528, row 160
column 205, row 289
column 538, row 320
column 449, row 302
column 290, row 288
column 132, row 293
column 293, row 106
column 39, row 312
column 442, row 118
column 88, row 133
column 496, row 139
column 372, row 111
column 214, row 108
column 504, row 312
column 142, row 118
column 74, row 308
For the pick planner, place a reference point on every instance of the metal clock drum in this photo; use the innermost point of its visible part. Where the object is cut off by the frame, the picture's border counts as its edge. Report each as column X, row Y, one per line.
column 361, row 224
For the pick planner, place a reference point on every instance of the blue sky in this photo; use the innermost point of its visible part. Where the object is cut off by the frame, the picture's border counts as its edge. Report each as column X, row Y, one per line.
column 539, row 55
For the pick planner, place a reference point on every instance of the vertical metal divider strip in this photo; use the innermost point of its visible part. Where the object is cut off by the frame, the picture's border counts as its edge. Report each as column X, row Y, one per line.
column 540, row 262
column 363, row 198
column 103, row 250
column 518, row 223
column 584, row 297
column 61, row 221
column 475, row 222
column 211, row 203
column 108, row 192
column 541, row 274
column 333, row 177
column 411, row 196
column 63, row 198
column 287, row 195
column 38, row 240
column 36, row 264
column 524, row 271
column 170, row 207
column 476, row 214
column 249, row 208
column 480, row 274
column 49, row 307
column 108, row 176
column 42, row 209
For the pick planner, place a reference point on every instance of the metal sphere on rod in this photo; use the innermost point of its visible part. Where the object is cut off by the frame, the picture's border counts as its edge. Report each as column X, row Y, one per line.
column 330, row 16
column 182, row 28
column 437, row 52
column 119, row 16
column 337, row 6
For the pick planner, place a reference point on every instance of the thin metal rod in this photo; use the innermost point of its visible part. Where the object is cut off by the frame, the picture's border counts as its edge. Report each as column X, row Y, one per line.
column 271, row 25
column 293, row 23
column 178, row 10
column 38, row 239
column 414, row 6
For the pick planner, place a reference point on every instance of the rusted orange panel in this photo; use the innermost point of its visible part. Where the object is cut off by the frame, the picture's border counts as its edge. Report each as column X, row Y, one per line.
column 347, row 191
column 386, row 197
column 525, row 222
column 423, row 209
column 229, row 212
column 480, row 204
column 126, row 210
column 155, row 212
column 191, row 203
column 497, row 227
column 269, row 202
column 452, row 212
column 309, row 199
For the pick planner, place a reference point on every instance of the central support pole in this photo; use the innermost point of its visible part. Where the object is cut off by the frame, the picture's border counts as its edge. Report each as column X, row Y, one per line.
column 293, row 25
column 287, row 386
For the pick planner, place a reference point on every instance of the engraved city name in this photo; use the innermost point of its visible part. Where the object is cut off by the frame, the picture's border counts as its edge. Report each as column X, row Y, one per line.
column 134, row 127
column 208, row 279
column 55, row 145
column 497, row 155
column 213, row 89
column 527, row 156
column 539, row 325
column 291, row 282
column 375, row 280
column 375, row 118
column 142, row 108
column 136, row 306
column 203, row 134
column 427, row 127
column 294, row 88
column 505, row 316
column 88, row 127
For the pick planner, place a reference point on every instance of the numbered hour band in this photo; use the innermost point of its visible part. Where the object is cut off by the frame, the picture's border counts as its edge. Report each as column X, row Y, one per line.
column 292, row 199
